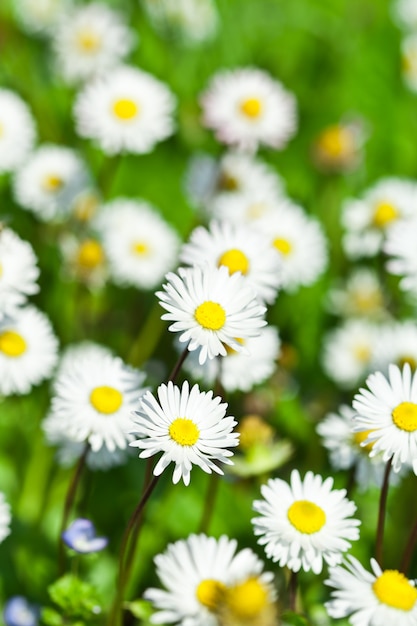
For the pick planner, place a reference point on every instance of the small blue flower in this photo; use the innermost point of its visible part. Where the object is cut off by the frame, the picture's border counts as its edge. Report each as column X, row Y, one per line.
column 81, row 537
column 18, row 612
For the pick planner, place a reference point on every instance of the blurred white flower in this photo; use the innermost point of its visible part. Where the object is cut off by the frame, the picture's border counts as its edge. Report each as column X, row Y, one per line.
column 190, row 21
column 401, row 246
column 5, row 518
column 40, row 17
column 361, row 295
column 17, row 131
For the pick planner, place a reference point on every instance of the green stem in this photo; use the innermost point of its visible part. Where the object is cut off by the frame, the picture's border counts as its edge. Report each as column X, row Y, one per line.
column 381, row 514
column 292, row 590
column 147, row 340
column 409, row 549
column 209, row 501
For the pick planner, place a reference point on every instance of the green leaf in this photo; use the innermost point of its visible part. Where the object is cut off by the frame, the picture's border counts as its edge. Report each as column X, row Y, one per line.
column 76, row 598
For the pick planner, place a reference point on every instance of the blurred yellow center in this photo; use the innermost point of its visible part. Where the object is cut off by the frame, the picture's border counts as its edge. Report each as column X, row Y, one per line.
column 393, row 589
column 125, row 109
column 227, row 182
column 253, row 431
column 306, row 517
column 247, row 599
column 252, row 107
column 209, row 593
column 361, row 436
column 235, row 260
column 210, row 315
column 401, row 361
column 12, row 344
column 85, row 206
column 283, row 245
column 362, row 353
column 88, row 41
column 404, row 416
column 367, row 301
column 184, row 431
column 106, row 399
column 230, row 350
column 90, row 254
column 52, row 183
column 1, row 270
column 140, row 248
column 385, row 212
column 336, row 141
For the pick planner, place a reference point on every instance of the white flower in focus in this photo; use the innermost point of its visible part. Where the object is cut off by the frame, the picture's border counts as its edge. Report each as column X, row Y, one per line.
column 246, row 108
column 94, row 396
column 387, row 410
column 198, row 573
column 17, row 131
column 374, row 598
column 49, row 181
column 401, row 246
column 28, row 351
column 191, row 21
column 305, row 523
column 211, row 310
column 240, row 249
column 18, row 272
column 39, row 17
column 300, row 241
column 188, row 426
column 5, row 518
column 90, row 40
column 128, row 111
column 140, row 245
column 361, row 296
column 348, row 352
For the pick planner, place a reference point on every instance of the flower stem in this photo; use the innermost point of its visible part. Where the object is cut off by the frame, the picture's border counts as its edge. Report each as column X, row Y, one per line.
column 381, row 514
column 177, row 367
column 209, row 500
column 409, row 549
column 292, row 590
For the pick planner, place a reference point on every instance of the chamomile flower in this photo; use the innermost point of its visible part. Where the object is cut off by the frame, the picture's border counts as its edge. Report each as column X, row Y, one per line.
column 248, row 207
column 368, row 220
column 397, row 343
column 190, row 21
column 49, row 180
column 361, row 296
column 89, row 41
column 246, row 108
column 94, row 395
column 388, row 411
column 199, row 573
column 240, row 249
column 405, row 12
column 84, row 259
column 28, row 351
column 238, row 371
column 141, row 247
column 127, row 111
column 17, row 131
column 338, row 148
column 372, row 598
column 188, row 426
column 5, row 518
column 401, row 247
column 300, row 241
column 348, row 352
column 18, row 272
column 305, row 523
column 39, row 17
column 211, row 309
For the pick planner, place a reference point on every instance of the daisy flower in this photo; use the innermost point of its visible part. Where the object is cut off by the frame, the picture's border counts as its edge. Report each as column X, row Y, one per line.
column 388, row 410
column 90, row 40
column 94, row 395
column 368, row 220
column 5, row 518
column 18, row 272
column 39, row 17
column 397, row 343
column 305, row 523
column 372, row 598
column 238, row 371
column 361, row 296
column 49, row 180
column 190, row 21
column 300, row 241
column 199, row 573
column 246, row 108
column 240, row 249
column 84, row 259
column 401, row 246
column 211, row 309
column 127, row 111
column 188, row 426
column 141, row 247
column 28, row 351
column 405, row 13
column 338, row 148
column 348, row 352
column 17, row 131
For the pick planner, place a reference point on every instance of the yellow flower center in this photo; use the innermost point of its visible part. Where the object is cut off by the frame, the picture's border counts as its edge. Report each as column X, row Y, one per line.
column 52, row 183
column 306, row 517
column 235, row 260
column 393, row 589
column 283, row 245
column 251, row 107
column 227, row 182
column 125, row 109
column 85, row 206
column 253, row 431
column 247, row 599
column 362, row 353
column 384, row 213
column 90, row 254
column 184, row 431
column 106, row 399
column 12, row 344
column 140, row 248
column 256, row 210
column 367, row 301
column 209, row 593
column 361, row 436
column 230, row 350
column 404, row 416
column 407, row 359
column 210, row 315
column 336, row 141
column 88, row 41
